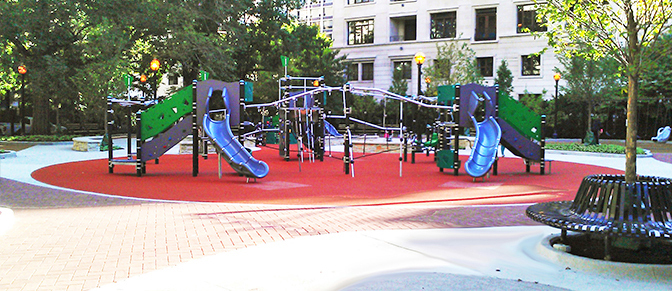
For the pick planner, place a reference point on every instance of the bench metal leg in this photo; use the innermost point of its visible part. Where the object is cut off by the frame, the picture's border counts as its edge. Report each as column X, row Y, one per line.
column 607, row 247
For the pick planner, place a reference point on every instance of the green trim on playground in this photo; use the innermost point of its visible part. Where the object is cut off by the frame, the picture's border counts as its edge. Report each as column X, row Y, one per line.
column 520, row 117
column 163, row 115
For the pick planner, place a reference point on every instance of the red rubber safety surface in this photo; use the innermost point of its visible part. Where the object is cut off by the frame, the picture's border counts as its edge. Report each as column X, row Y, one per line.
column 376, row 181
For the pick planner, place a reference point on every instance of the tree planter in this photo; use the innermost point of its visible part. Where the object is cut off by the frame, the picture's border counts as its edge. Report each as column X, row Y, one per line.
column 608, row 207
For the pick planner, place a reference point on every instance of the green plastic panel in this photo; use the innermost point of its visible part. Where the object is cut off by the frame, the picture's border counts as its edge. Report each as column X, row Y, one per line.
column 164, row 114
column 271, row 138
column 520, row 117
column 446, row 94
column 445, row 159
column 249, row 92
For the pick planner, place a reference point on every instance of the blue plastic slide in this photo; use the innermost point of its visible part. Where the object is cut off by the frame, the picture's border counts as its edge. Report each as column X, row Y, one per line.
column 234, row 153
column 331, row 129
column 663, row 135
column 484, row 153
column 488, row 135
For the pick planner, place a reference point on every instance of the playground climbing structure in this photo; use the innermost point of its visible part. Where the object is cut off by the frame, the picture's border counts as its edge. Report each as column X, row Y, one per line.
column 163, row 124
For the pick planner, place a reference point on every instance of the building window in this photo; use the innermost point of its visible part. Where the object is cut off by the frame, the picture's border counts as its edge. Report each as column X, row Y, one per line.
column 328, row 24
column 527, row 19
column 360, row 31
column 485, row 66
column 403, row 29
column 443, row 25
column 352, row 71
column 367, row 71
column 531, row 65
column 486, row 24
column 359, row 1
column 173, row 79
column 405, row 67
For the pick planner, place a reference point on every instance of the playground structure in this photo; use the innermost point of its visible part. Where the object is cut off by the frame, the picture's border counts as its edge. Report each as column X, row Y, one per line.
column 506, row 121
column 163, row 124
column 663, row 135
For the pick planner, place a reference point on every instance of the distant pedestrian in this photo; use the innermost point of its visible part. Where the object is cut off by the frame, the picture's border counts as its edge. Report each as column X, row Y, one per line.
column 596, row 128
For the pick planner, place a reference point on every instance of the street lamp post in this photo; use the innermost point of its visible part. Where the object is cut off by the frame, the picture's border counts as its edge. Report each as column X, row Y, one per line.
column 22, row 109
column 143, row 80
column 556, row 77
column 155, row 65
column 419, row 59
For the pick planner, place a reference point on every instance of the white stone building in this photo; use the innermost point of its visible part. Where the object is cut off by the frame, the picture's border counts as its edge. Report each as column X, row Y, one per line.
column 317, row 12
column 377, row 35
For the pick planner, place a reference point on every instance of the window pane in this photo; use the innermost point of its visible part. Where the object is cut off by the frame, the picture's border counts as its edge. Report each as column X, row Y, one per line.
column 409, row 29
column 443, row 25
column 352, row 71
column 173, row 79
column 360, row 32
column 485, row 66
column 367, row 71
column 405, row 67
column 527, row 19
column 486, row 24
column 531, row 65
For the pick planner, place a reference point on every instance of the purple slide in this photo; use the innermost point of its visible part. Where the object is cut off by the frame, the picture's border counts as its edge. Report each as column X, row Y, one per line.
column 234, row 153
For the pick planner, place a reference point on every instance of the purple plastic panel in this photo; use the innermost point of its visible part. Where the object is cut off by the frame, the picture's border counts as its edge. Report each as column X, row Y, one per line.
column 465, row 95
column 233, row 89
column 164, row 141
column 518, row 144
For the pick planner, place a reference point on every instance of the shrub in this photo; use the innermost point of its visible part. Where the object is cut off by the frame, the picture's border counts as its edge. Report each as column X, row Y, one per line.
column 601, row 148
column 38, row 138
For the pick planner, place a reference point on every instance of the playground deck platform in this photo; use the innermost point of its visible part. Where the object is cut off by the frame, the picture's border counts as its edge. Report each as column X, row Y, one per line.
column 371, row 232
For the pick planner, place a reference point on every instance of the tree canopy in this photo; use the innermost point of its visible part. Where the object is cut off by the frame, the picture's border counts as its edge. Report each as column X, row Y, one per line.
column 622, row 29
column 76, row 51
column 455, row 63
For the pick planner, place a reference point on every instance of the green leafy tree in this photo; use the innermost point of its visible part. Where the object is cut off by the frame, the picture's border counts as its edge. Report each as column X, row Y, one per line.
column 504, row 78
column 399, row 86
column 656, row 85
column 455, row 63
column 76, row 51
column 399, row 82
column 310, row 55
column 624, row 30
column 591, row 82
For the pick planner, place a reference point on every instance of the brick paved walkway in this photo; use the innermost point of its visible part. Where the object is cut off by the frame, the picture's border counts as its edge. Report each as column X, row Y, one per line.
column 63, row 240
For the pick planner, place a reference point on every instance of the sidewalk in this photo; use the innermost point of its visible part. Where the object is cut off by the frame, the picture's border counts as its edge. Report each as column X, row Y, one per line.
column 65, row 240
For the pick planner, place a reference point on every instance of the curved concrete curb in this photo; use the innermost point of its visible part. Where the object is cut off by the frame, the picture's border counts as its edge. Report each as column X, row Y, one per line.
column 38, row 142
column 444, row 281
column 8, row 154
column 610, row 269
column 6, row 219
column 647, row 154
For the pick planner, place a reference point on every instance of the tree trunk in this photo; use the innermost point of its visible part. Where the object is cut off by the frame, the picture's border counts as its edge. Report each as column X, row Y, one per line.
column 589, row 120
column 634, row 53
column 631, row 129
column 40, row 115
